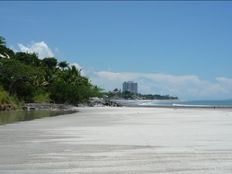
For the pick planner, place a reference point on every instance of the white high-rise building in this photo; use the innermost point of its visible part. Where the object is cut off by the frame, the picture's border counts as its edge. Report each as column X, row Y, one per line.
column 130, row 87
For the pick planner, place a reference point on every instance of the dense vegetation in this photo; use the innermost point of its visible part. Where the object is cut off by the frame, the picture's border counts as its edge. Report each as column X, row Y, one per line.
column 117, row 94
column 26, row 78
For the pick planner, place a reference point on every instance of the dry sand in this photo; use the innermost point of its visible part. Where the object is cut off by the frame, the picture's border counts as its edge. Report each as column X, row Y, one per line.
column 120, row 141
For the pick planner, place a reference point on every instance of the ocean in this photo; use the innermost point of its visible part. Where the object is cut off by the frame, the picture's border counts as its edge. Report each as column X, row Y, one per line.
column 177, row 103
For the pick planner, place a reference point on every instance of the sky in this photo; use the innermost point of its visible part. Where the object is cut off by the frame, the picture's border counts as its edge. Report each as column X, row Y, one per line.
column 178, row 48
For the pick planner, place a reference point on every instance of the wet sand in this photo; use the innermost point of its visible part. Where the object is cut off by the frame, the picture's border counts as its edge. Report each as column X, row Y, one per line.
column 120, row 141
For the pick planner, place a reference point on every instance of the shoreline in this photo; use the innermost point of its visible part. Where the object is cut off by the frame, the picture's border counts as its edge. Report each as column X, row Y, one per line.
column 49, row 107
column 170, row 104
column 33, row 111
column 37, row 106
column 66, row 107
column 181, row 107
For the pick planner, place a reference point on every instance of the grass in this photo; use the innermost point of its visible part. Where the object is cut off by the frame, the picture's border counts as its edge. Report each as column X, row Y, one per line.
column 7, row 102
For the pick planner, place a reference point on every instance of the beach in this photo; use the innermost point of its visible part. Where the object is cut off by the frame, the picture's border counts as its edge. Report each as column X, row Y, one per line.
column 120, row 140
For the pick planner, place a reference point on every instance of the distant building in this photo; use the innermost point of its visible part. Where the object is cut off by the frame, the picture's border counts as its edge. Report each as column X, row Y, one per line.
column 130, row 87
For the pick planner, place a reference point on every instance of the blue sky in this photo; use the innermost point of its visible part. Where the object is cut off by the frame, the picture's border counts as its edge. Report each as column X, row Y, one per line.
column 177, row 48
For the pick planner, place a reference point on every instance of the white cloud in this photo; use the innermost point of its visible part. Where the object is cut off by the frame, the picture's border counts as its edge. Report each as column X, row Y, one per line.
column 183, row 86
column 224, row 80
column 40, row 48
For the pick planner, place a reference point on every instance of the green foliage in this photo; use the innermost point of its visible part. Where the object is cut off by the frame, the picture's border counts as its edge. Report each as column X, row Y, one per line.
column 4, row 97
column 117, row 94
column 157, row 97
column 49, row 62
column 30, row 79
column 128, row 95
column 18, row 78
column 2, row 41
column 41, row 98
column 7, row 101
column 4, row 51
column 27, row 58
column 63, row 64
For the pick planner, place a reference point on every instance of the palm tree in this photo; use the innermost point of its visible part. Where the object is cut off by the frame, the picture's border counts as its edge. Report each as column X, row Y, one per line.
column 2, row 47
column 2, row 41
column 4, row 51
column 63, row 65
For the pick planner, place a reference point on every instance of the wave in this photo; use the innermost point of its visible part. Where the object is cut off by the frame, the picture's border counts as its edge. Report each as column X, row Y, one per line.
column 178, row 103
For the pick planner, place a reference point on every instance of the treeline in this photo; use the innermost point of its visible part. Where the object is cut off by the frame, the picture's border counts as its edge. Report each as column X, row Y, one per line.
column 118, row 94
column 157, row 97
column 26, row 78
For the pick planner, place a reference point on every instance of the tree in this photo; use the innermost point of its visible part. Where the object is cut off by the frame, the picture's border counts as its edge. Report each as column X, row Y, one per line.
column 49, row 62
column 4, row 51
column 17, row 78
column 30, row 79
column 2, row 41
column 127, row 95
column 28, row 58
column 63, row 65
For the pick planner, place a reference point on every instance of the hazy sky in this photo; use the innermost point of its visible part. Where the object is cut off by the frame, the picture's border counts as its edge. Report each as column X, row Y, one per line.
column 177, row 48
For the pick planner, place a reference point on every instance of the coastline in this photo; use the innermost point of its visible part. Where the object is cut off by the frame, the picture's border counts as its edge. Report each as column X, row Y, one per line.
column 176, row 104
column 49, row 106
column 185, row 107
column 32, row 111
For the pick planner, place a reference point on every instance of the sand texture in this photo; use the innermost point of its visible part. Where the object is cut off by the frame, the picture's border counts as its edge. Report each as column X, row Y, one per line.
column 120, row 141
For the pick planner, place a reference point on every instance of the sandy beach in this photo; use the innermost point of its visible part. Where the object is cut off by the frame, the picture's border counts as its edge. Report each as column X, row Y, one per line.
column 122, row 140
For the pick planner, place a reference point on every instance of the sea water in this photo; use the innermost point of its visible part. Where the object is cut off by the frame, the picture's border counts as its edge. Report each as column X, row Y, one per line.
column 7, row 117
column 178, row 103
